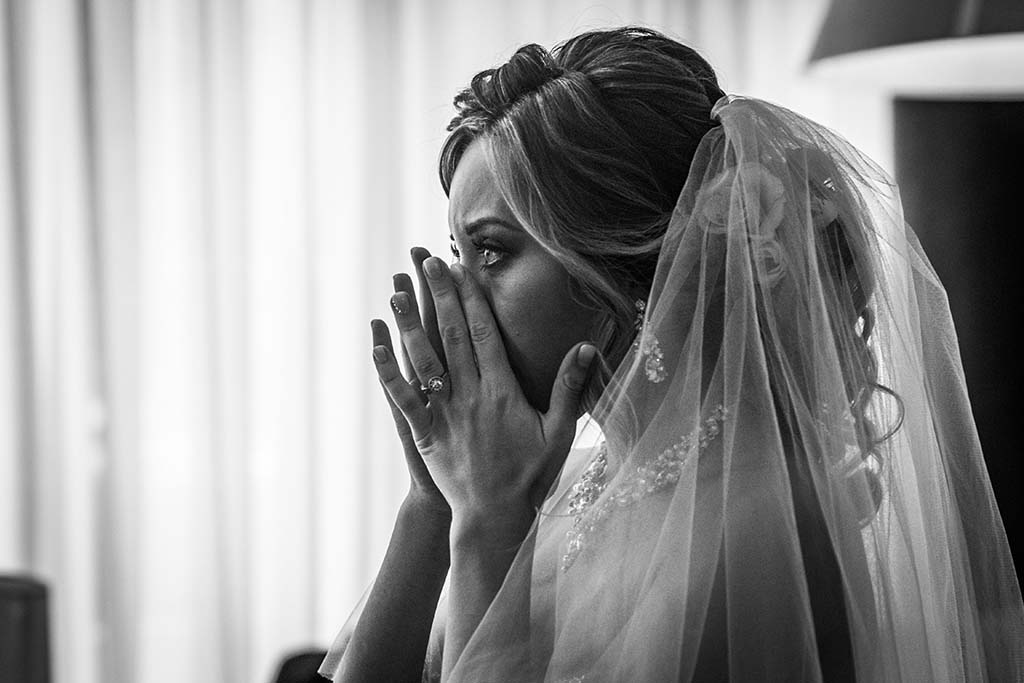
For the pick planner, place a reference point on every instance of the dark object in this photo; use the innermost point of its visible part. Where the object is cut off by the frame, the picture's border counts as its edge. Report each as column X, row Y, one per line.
column 301, row 667
column 960, row 172
column 855, row 25
column 24, row 631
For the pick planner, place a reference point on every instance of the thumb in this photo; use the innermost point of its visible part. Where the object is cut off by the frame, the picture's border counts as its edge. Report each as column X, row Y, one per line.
column 566, row 394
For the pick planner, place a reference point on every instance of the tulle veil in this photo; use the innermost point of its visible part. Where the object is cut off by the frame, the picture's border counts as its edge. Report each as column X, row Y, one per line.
column 790, row 484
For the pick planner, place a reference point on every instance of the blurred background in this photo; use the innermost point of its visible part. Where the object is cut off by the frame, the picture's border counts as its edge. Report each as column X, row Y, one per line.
column 201, row 207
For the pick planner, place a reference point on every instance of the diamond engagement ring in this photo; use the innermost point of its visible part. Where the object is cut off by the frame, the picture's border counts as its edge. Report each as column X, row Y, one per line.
column 434, row 384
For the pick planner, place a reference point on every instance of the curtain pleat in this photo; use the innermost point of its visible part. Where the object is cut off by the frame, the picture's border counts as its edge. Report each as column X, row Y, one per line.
column 58, row 457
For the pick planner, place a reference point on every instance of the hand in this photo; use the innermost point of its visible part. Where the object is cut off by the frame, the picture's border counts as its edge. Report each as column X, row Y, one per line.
column 488, row 451
column 423, row 493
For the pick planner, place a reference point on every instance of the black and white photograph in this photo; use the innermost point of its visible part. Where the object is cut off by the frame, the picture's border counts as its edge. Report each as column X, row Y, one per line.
column 511, row 341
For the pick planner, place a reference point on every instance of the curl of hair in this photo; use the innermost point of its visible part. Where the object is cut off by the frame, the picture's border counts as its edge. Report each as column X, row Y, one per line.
column 591, row 144
column 855, row 284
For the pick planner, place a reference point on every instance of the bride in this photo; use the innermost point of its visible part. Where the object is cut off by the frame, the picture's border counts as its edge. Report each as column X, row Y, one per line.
column 788, row 484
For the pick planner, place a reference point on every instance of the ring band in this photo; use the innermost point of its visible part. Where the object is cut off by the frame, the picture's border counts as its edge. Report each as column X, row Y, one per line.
column 435, row 384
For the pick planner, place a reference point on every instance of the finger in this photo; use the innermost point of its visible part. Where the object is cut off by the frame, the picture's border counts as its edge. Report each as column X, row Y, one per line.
column 452, row 323
column 425, row 362
column 403, row 283
column 565, row 406
column 483, row 328
column 418, row 470
column 427, row 313
column 407, row 398
column 382, row 337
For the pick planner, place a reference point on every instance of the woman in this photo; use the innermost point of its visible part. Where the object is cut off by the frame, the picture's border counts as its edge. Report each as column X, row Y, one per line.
column 789, row 484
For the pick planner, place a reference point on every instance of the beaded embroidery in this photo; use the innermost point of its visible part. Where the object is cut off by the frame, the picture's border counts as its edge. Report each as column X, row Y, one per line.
column 649, row 477
column 653, row 364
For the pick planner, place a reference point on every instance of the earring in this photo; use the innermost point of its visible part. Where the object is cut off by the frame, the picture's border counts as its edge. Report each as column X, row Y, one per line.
column 647, row 343
column 641, row 308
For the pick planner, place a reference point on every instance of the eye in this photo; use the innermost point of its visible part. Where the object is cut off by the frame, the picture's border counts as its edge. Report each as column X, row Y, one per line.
column 489, row 256
column 486, row 253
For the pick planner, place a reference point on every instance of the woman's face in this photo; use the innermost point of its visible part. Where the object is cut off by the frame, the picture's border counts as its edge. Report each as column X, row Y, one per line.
column 527, row 287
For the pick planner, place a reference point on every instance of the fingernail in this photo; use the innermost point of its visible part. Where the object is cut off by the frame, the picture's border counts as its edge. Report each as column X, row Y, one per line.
column 432, row 267
column 400, row 303
column 586, row 355
column 380, row 354
column 458, row 274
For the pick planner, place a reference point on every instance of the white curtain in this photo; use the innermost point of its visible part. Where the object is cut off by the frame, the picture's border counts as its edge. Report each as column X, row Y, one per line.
column 201, row 205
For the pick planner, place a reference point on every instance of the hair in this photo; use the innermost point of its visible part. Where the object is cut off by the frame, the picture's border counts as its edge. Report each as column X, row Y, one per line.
column 845, row 262
column 591, row 144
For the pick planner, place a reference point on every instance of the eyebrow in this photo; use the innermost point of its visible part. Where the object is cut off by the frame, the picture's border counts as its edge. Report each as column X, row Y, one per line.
column 478, row 223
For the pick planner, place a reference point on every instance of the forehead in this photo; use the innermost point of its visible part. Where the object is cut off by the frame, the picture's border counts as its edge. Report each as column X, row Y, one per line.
column 474, row 190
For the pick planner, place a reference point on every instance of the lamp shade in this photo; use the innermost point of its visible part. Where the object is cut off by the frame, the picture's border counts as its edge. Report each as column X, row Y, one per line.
column 925, row 47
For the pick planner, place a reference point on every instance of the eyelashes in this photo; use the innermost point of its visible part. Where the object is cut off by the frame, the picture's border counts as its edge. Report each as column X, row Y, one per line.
column 490, row 255
column 497, row 254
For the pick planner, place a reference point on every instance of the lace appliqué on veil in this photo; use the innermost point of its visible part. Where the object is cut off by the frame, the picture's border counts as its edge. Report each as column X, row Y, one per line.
column 649, row 477
column 654, row 366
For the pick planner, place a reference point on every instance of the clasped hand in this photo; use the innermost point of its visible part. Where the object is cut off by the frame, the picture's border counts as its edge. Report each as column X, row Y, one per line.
column 477, row 442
